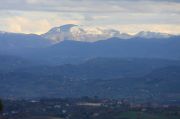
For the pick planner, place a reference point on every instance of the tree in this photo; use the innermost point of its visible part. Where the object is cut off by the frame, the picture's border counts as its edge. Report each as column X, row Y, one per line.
column 1, row 106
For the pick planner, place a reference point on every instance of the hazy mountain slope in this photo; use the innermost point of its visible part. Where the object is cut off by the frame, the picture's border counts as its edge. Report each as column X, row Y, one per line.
column 9, row 63
column 70, row 51
column 111, row 78
column 166, row 79
column 21, row 43
column 39, row 48
column 103, row 68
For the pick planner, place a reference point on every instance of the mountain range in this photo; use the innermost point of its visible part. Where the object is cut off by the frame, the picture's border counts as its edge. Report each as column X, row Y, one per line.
column 92, row 34
column 75, row 61
column 72, row 43
column 137, row 79
column 83, row 33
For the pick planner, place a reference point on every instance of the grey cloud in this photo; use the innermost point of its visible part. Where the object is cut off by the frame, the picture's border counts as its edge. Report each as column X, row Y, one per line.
column 88, row 6
column 90, row 12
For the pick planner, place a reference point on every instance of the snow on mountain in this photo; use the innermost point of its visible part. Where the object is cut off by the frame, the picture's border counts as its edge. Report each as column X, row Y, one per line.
column 92, row 34
column 82, row 33
column 149, row 34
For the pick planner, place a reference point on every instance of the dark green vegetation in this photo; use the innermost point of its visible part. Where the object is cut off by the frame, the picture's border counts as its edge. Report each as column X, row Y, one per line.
column 136, row 79
column 88, row 108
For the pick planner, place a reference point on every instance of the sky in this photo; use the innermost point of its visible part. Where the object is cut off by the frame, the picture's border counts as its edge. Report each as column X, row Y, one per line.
column 130, row 16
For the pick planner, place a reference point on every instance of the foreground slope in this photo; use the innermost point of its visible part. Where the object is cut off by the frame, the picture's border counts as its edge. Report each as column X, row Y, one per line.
column 111, row 78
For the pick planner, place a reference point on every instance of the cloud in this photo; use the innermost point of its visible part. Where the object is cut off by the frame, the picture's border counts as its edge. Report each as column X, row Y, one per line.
column 92, row 6
column 29, row 24
column 21, row 24
column 38, row 16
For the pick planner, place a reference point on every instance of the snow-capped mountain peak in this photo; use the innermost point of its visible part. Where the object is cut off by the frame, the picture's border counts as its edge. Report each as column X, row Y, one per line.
column 82, row 33
column 92, row 34
column 64, row 28
column 149, row 34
